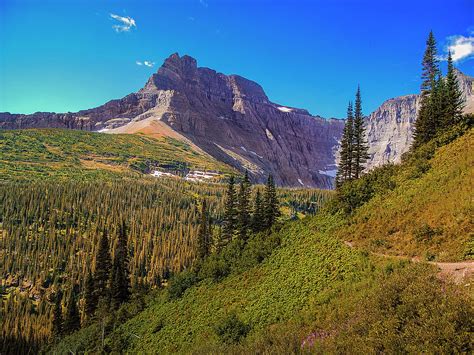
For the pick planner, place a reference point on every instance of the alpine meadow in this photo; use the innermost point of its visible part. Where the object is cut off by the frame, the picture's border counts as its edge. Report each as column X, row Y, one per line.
column 197, row 216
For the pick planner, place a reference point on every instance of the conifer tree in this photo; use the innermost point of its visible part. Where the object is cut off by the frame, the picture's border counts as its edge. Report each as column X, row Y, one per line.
column 230, row 213
column 271, row 205
column 72, row 319
column 454, row 97
column 203, row 237
column 425, row 124
column 360, row 147
column 344, row 172
column 103, row 266
column 243, row 207
column 120, row 279
column 58, row 316
column 90, row 297
column 258, row 217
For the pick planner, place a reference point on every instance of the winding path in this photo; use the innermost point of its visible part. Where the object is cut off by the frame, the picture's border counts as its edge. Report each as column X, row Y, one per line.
column 458, row 271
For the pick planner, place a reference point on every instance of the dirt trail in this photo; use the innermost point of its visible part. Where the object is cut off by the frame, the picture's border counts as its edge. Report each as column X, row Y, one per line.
column 460, row 271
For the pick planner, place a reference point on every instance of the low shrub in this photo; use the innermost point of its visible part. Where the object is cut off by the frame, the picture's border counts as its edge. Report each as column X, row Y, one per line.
column 231, row 329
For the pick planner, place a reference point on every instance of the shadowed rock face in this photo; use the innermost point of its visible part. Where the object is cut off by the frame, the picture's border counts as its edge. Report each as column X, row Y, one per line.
column 229, row 117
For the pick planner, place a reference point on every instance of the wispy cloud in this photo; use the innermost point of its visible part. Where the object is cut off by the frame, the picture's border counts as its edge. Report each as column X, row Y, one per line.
column 125, row 23
column 203, row 3
column 461, row 47
column 146, row 63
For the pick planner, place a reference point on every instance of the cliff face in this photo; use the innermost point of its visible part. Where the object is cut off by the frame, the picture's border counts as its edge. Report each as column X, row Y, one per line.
column 232, row 119
column 390, row 127
column 228, row 117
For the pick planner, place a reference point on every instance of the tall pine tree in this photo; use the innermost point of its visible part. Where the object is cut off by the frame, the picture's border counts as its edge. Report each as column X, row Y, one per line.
column 120, row 278
column 90, row 298
column 271, row 204
column 454, row 97
column 243, row 207
column 103, row 266
column 425, row 124
column 346, row 163
column 360, row 147
column 58, row 316
column 230, row 213
column 258, row 215
column 203, row 237
column 72, row 319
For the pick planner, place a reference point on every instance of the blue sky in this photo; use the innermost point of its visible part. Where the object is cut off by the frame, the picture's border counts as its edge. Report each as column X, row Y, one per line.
column 70, row 55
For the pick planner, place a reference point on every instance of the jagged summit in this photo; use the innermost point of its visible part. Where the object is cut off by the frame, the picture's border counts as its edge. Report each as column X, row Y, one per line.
column 227, row 116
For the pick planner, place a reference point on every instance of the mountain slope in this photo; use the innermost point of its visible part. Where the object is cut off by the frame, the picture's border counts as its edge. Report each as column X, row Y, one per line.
column 315, row 293
column 428, row 214
column 37, row 154
column 229, row 117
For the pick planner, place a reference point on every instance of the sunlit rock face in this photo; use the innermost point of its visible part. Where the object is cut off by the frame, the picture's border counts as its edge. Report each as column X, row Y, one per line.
column 227, row 116
column 390, row 127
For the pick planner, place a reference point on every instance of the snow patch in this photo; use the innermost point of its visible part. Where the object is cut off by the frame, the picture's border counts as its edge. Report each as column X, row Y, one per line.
column 269, row 134
column 103, row 130
column 256, row 154
column 301, row 182
column 284, row 109
column 243, row 148
column 331, row 173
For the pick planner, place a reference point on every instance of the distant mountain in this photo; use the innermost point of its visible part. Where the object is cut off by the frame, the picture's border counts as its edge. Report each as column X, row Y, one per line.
column 229, row 117
column 390, row 127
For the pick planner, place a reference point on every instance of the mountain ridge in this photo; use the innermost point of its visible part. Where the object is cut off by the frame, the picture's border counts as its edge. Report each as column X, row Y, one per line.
column 231, row 118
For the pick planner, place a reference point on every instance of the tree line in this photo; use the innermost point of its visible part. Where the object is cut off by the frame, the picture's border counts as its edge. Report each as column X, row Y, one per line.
column 354, row 147
column 442, row 100
column 241, row 216
column 52, row 236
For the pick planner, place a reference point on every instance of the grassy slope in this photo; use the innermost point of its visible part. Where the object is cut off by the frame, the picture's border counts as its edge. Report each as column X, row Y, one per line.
column 313, row 281
column 43, row 153
column 303, row 273
column 430, row 216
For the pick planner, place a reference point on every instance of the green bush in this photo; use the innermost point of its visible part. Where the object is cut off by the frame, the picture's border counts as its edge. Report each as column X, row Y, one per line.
column 180, row 283
column 231, row 329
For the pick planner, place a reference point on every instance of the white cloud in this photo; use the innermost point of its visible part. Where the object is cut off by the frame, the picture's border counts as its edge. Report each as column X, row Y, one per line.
column 126, row 23
column 203, row 3
column 146, row 63
column 461, row 47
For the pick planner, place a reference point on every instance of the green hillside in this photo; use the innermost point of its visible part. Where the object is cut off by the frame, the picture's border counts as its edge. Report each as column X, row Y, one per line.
column 427, row 211
column 300, row 288
column 36, row 154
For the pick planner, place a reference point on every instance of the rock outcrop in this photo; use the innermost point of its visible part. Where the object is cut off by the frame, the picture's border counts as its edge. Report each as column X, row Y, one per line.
column 229, row 117
column 390, row 127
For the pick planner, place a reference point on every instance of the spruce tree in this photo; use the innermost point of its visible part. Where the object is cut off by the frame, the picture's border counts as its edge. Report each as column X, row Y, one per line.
column 72, row 319
column 58, row 316
column 344, row 172
column 425, row 124
column 120, row 279
column 103, row 266
column 230, row 213
column 454, row 97
column 258, row 216
column 203, row 237
column 360, row 147
column 271, row 205
column 90, row 297
column 243, row 207
column 438, row 103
